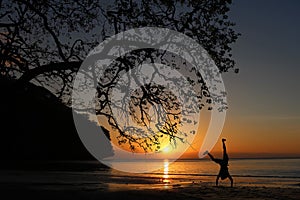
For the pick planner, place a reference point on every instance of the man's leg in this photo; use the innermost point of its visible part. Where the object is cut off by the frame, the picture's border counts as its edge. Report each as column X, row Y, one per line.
column 212, row 158
column 225, row 156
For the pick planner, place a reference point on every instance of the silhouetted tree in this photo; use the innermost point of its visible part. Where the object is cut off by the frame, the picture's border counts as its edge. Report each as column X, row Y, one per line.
column 45, row 42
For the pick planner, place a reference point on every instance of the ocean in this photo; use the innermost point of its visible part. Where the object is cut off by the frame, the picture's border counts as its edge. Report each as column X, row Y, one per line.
column 93, row 175
column 254, row 172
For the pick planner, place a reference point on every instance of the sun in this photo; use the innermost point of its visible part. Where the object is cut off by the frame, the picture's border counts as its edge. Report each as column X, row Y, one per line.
column 167, row 149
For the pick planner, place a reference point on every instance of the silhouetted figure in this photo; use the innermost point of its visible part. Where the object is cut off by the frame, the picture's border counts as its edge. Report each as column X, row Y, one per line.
column 224, row 173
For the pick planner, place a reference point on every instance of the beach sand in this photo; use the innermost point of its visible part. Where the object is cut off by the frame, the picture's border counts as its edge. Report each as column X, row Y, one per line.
column 89, row 181
column 136, row 192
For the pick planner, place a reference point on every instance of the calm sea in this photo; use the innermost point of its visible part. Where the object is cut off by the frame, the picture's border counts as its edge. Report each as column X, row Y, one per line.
column 267, row 172
column 87, row 175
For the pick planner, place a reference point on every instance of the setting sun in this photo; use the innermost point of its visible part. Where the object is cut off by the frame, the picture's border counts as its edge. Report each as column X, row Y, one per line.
column 167, row 149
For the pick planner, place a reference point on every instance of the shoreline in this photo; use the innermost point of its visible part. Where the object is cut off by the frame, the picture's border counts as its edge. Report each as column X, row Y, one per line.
column 183, row 180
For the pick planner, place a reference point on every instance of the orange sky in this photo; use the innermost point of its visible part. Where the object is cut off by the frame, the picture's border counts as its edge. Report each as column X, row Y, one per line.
column 251, row 136
column 257, row 137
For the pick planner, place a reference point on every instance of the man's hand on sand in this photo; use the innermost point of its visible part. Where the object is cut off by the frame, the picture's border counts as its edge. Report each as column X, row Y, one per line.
column 205, row 153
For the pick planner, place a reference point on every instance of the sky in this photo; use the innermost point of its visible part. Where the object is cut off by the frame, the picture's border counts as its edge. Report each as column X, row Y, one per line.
column 263, row 119
column 264, row 113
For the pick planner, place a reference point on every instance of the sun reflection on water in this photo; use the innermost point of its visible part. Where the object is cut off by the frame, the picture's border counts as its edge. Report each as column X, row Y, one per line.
column 166, row 179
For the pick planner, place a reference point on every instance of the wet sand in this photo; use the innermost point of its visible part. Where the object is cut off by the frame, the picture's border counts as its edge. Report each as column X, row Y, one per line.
column 146, row 191
column 103, row 183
